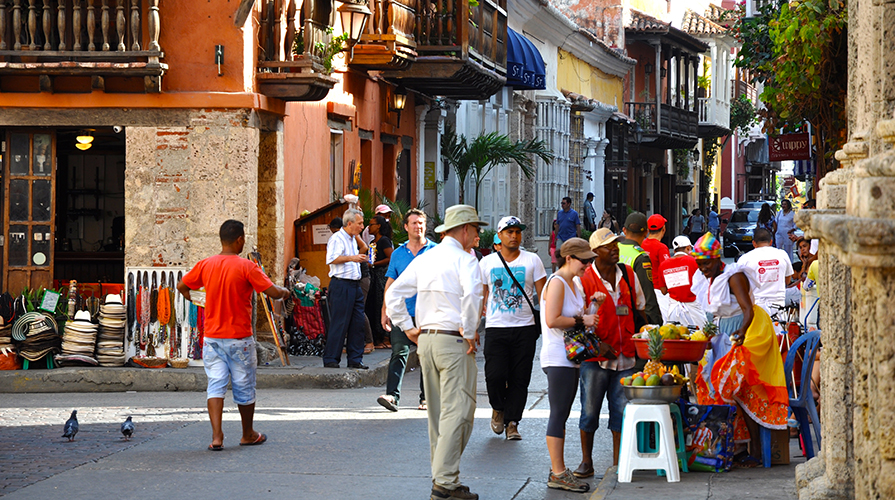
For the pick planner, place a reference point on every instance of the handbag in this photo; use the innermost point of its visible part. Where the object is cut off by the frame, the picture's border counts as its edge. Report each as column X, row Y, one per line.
column 536, row 316
column 580, row 345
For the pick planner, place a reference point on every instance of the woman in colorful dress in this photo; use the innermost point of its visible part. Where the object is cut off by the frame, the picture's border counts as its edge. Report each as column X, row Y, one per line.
column 743, row 367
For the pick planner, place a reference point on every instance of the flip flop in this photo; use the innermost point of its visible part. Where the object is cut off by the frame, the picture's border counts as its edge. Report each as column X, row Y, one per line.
column 260, row 440
column 215, row 447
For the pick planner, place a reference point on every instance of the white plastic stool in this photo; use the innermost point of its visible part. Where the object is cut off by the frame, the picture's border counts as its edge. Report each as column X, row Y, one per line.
column 631, row 459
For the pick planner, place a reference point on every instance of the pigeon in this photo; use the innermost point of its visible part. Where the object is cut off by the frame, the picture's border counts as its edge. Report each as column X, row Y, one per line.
column 127, row 428
column 71, row 426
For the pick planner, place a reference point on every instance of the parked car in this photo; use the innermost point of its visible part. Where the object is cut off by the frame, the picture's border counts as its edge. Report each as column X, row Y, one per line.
column 757, row 205
column 738, row 233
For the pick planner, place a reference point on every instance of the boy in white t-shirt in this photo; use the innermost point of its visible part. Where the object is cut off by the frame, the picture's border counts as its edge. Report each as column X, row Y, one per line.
column 511, row 332
column 771, row 269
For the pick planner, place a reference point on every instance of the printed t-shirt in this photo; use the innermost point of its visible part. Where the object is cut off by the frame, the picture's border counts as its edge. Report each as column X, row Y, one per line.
column 401, row 258
column 769, row 266
column 657, row 251
column 229, row 281
column 809, row 286
column 676, row 274
column 506, row 305
column 568, row 224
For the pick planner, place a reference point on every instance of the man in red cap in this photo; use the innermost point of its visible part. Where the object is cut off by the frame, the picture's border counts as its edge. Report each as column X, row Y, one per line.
column 653, row 245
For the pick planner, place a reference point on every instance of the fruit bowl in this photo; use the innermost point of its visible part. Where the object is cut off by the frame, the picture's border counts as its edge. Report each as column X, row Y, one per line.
column 646, row 395
column 690, row 351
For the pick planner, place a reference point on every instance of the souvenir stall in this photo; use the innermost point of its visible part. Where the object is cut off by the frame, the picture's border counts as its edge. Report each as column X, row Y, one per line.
column 163, row 328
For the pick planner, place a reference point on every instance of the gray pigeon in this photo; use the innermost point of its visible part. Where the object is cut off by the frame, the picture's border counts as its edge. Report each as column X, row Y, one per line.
column 127, row 428
column 71, row 426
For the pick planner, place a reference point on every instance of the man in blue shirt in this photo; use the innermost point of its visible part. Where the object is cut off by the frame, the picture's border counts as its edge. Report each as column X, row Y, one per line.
column 415, row 225
column 568, row 221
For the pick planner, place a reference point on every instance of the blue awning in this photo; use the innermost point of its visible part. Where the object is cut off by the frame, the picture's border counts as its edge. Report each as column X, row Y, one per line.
column 525, row 66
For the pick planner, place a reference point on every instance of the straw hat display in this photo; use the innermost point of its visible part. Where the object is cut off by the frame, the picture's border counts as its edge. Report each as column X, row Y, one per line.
column 112, row 325
column 36, row 335
column 79, row 338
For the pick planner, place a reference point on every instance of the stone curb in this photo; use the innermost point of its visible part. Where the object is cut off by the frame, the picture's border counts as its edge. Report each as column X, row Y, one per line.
column 606, row 485
column 187, row 379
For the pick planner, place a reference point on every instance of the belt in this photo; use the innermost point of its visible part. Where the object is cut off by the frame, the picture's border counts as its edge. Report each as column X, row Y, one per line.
column 344, row 279
column 443, row 332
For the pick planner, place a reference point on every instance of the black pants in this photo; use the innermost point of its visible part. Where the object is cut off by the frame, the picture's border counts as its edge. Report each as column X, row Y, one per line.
column 346, row 318
column 509, row 353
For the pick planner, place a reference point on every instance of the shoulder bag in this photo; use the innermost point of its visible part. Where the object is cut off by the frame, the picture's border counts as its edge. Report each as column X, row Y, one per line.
column 534, row 313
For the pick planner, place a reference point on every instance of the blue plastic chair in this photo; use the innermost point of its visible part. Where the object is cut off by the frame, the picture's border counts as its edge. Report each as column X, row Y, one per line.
column 810, row 309
column 802, row 405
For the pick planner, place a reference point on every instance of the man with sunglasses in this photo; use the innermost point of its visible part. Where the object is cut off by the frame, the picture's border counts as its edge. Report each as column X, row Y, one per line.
column 601, row 376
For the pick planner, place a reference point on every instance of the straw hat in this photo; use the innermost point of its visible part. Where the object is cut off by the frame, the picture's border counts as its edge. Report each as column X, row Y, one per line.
column 459, row 215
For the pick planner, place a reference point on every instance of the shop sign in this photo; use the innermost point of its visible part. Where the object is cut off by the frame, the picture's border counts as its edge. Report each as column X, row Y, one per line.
column 322, row 233
column 429, row 175
column 789, row 147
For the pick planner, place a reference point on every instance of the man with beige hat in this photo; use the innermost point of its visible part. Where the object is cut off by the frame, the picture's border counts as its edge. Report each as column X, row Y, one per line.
column 448, row 286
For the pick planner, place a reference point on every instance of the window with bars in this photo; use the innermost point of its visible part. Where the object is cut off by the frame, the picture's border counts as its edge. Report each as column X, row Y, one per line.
column 577, row 155
column 552, row 127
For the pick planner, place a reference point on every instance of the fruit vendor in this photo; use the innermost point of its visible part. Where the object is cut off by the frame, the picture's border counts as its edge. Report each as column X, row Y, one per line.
column 744, row 365
column 601, row 377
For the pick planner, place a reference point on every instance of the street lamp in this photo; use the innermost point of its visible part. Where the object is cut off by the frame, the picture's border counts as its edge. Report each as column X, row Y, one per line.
column 398, row 101
column 354, row 18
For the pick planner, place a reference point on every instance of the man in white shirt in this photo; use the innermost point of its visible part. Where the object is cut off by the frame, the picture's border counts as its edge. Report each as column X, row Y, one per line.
column 344, row 262
column 511, row 334
column 448, row 285
column 771, row 269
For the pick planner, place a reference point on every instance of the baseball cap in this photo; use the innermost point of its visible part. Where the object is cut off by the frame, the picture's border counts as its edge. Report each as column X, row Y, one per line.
column 680, row 242
column 510, row 221
column 496, row 240
column 656, row 222
column 383, row 209
column 603, row 236
column 636, row 222
column 576, row 247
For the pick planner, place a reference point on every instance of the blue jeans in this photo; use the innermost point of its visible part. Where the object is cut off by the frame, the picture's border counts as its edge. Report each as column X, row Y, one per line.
column 397, row 365
column 597, row 383
column 232, row 361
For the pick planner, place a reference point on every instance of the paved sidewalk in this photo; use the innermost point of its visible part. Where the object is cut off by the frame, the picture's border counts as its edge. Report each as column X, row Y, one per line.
column 776, row 483
column 305, row 372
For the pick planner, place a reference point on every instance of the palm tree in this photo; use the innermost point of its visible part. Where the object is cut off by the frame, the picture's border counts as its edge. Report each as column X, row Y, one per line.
column 486, row 152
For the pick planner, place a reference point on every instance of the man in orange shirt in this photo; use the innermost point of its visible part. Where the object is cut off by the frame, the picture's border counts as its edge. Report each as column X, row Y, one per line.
column 229, row 354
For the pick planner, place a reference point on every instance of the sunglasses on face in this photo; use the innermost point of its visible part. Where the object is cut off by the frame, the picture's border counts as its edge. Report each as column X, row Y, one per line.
column 584, row 261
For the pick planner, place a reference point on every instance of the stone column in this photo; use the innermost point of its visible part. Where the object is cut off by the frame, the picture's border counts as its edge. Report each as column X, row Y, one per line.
column 271, row 206
column 855, row 222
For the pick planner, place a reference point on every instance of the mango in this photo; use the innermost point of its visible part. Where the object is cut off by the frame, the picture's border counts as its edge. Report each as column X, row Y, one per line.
column 638, row 382
column 653, row 381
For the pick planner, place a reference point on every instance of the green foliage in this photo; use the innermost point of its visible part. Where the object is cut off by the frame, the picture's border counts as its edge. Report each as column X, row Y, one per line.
column 485, row 152
column 681, row 162
column 800, row 51
column 326, row 51
column 705, row 81
column 742, row 115
column 368, row 201
column 486, row 239
column 710, row 148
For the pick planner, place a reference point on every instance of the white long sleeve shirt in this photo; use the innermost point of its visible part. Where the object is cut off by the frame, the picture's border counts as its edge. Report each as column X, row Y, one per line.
column 448, row 285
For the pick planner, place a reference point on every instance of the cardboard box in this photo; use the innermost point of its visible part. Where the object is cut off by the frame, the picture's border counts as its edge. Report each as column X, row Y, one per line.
column 780, row 447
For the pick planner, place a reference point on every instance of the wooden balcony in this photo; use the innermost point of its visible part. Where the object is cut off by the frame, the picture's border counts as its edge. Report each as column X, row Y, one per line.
column 94, row 39
column 462, row 50
column 292, row 60
column 714, row 117
column 389, row 40
column 668, row 128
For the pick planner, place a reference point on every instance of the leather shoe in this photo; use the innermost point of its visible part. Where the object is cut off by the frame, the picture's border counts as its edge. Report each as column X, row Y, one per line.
column 330, row 365
column 584, row 470
column 358, row 366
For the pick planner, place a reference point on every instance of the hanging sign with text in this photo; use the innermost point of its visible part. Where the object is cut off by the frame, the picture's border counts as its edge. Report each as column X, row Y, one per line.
column 789, row 147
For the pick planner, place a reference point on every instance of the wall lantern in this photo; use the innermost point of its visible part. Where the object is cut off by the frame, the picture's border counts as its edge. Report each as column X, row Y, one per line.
column 398, row 101
column 663, row 72
column 354, row 18
column 648, row 68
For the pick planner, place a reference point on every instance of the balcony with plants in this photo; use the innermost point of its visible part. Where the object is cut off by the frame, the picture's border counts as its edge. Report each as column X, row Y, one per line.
column 85, row 42
column 389, row 38
column 296, row 48
column 713, row 101
column 461, row 49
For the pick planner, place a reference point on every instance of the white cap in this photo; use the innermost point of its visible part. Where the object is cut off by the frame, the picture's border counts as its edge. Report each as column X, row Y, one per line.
column 681, row 242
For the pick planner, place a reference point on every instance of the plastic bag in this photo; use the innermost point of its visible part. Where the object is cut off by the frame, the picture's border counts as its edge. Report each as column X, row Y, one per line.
column 709, row 436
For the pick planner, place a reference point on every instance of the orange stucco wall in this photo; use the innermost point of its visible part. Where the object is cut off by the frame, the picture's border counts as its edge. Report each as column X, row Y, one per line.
column 307, row 145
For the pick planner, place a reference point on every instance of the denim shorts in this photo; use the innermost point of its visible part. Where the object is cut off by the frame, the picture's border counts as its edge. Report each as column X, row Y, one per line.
column 597, row 383
column 232, row 361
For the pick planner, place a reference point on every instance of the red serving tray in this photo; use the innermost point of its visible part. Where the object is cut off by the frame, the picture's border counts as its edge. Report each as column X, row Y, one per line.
column 688, row 351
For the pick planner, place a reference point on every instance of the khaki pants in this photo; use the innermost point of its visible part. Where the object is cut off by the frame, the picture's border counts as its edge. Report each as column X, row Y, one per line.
column 449, row 377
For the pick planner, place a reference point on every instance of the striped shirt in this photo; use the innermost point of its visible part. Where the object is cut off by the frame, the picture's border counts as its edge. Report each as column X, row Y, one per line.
column 342, row 244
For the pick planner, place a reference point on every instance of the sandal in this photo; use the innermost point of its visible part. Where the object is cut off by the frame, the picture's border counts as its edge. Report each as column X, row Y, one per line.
column 369, row 348
column 422, row 406
column 261, row 439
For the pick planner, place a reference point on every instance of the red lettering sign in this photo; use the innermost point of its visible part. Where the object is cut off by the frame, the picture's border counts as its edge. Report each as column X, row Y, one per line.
column 789, row 147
